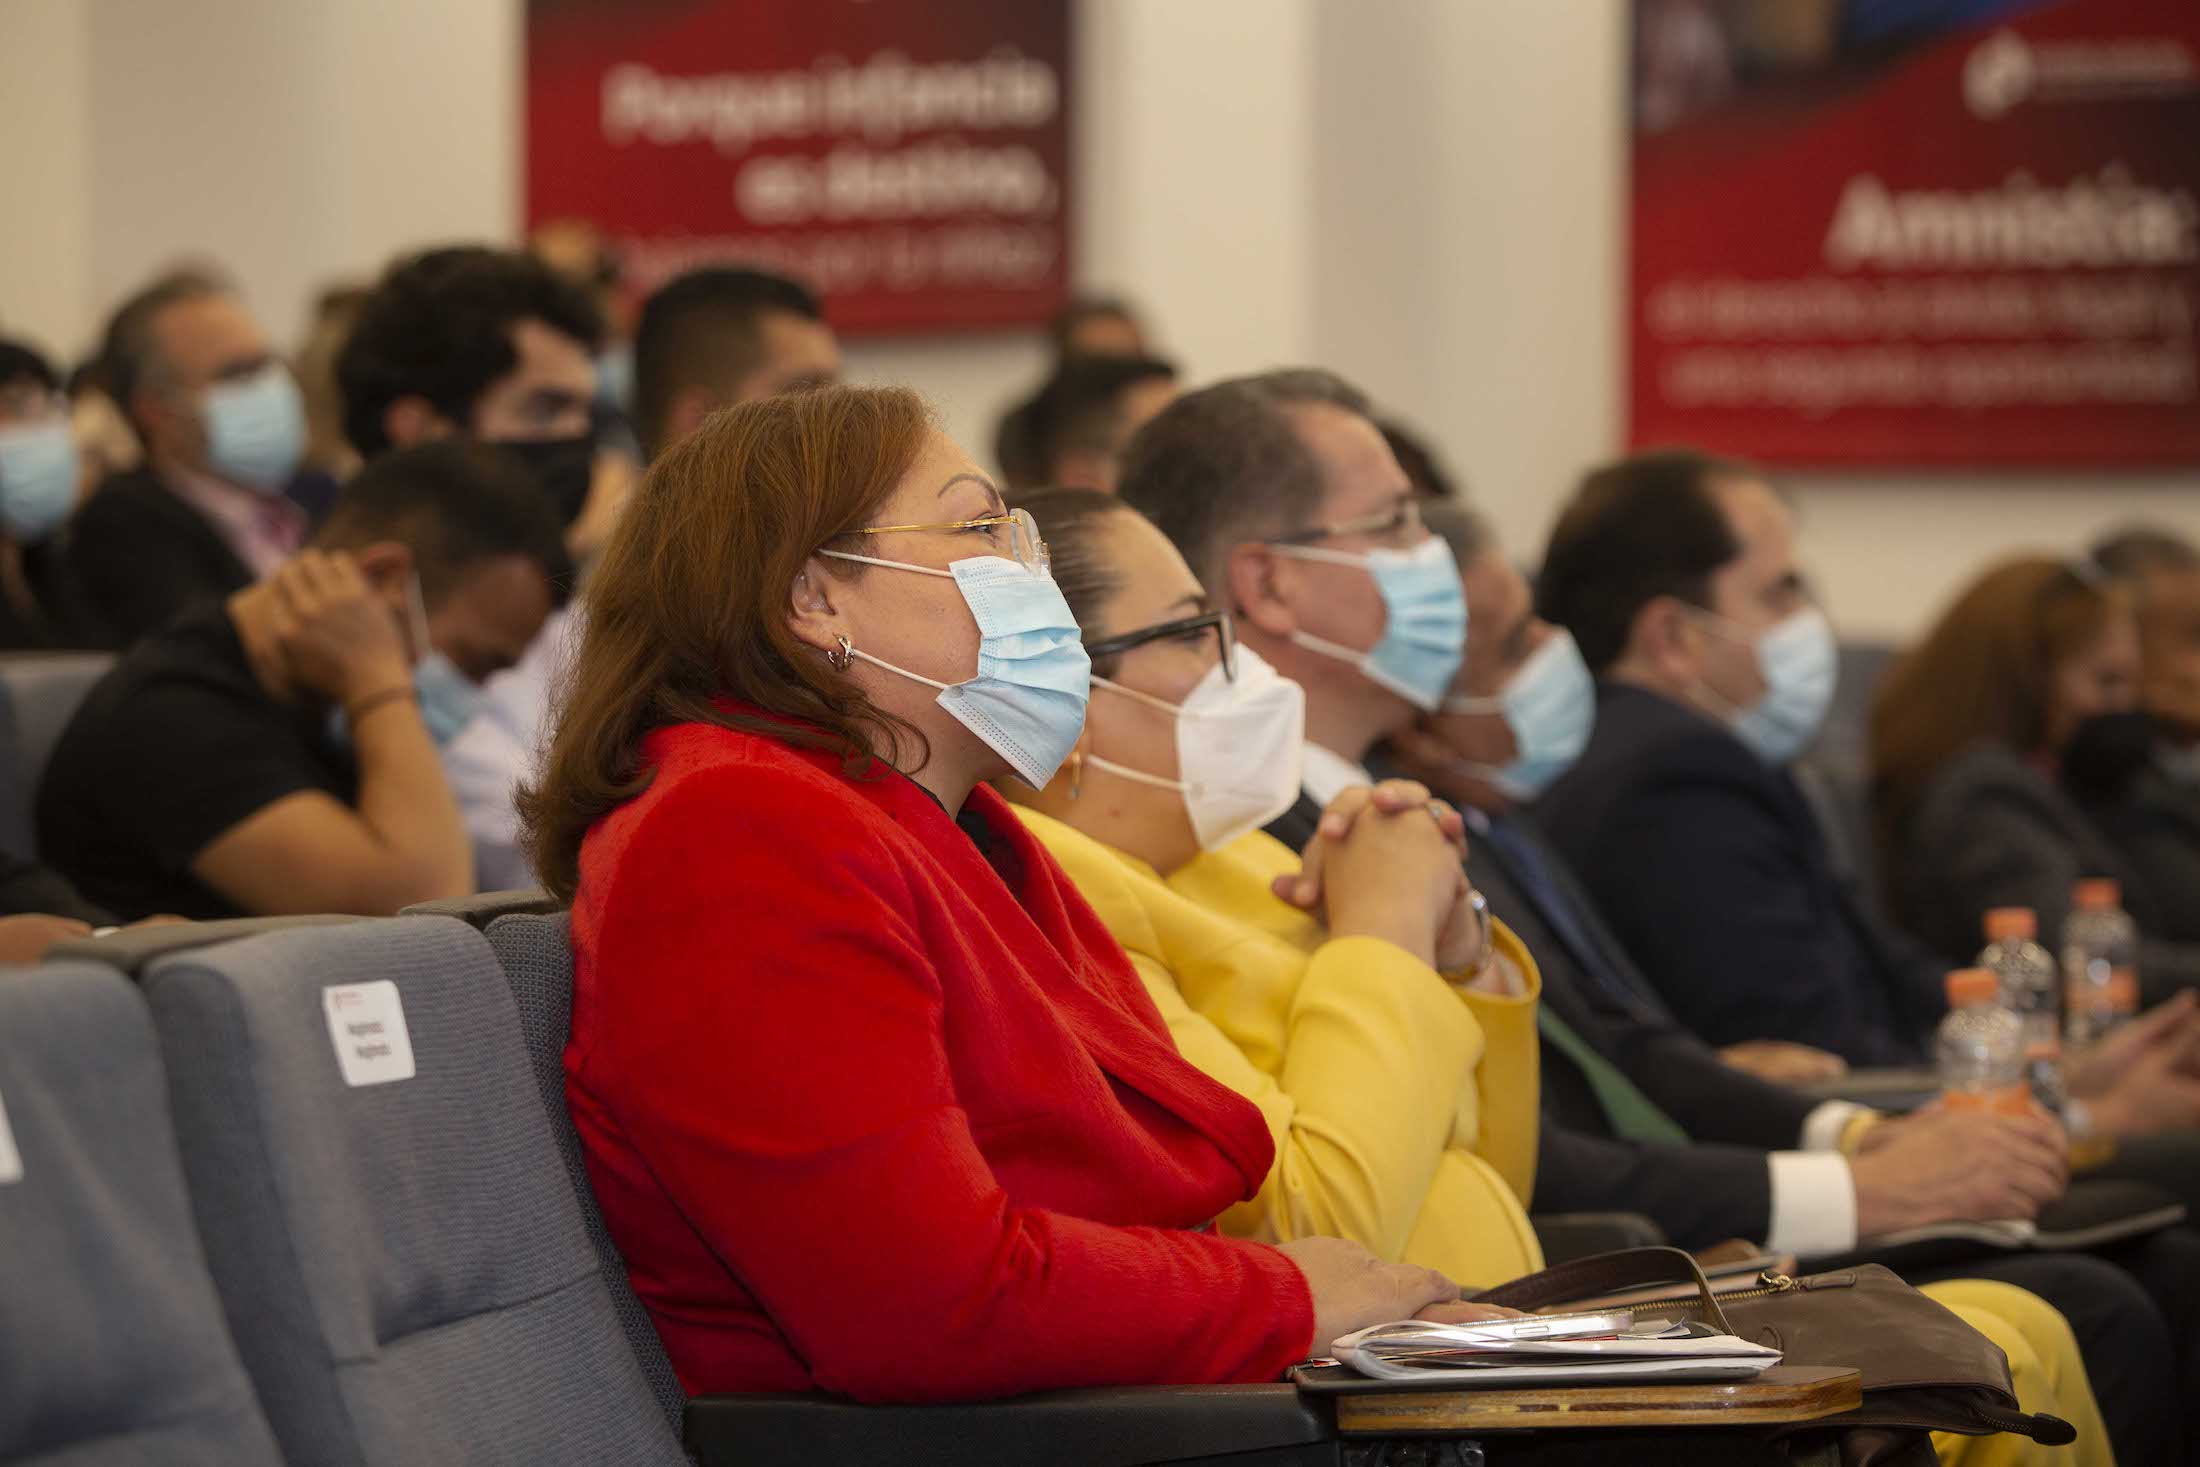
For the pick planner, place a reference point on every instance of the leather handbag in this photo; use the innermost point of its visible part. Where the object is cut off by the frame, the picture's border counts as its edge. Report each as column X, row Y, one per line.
column 1923, row 1369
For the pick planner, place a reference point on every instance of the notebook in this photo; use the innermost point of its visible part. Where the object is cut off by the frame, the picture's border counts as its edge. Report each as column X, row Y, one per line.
column 1456, row 1356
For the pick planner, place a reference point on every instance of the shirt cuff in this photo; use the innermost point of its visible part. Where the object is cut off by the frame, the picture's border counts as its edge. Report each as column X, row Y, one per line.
column 1824, row 1126
column 1813, row 1204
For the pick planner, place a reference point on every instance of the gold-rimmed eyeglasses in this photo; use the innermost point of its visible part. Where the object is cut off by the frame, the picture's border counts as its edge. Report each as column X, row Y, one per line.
column 1024, row 543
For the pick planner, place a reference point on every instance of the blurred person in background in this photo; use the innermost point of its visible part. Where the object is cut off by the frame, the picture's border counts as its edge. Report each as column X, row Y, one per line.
column 327, row 449
column 104, row 437
column 495, row 346
column 224, row 430
column 2138, row 777
column 707, row 339
column 1424, row 467
column 43, row 478
column 1974, row 733
column 722, row 335
column 1098, row 326
column 1071, row 433
column 276, row 752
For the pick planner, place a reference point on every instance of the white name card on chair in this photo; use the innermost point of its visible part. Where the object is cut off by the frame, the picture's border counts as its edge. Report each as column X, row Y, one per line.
column 366, row 1022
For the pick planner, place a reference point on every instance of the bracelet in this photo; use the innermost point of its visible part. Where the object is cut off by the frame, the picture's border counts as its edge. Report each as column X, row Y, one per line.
column 355, row 711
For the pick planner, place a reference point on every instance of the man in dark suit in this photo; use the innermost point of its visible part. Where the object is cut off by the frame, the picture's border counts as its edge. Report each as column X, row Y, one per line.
column 223, row 425
column 1677, row 576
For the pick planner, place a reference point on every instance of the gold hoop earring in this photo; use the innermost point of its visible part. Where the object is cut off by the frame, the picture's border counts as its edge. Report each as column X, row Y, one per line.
column 841, row 656
column 1076, row 775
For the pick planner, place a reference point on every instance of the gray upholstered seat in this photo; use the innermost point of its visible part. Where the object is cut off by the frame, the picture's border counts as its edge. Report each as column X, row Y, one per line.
column 113, row 1352
column 538, row 963
column 39, row 694
column 403, row 1262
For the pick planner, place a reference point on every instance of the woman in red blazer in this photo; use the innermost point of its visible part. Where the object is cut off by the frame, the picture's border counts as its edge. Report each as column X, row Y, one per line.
column 871, row 1100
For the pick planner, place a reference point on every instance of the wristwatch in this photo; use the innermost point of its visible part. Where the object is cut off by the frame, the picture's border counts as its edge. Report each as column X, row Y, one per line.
column 1487, row 952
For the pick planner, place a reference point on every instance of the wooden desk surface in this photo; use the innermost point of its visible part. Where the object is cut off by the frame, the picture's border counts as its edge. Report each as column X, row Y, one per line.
column 1783, row 1393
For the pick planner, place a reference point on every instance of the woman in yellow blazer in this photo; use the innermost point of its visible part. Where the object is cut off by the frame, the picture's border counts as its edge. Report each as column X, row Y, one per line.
column 1391, row 1045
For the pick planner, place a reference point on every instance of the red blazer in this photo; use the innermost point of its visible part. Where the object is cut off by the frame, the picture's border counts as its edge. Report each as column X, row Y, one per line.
column 863, row 1117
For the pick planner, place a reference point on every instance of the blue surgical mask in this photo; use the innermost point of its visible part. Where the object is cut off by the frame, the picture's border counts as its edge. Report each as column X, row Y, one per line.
column 448, row 698
column 1425, row 631
column 1550, row 704
column 256, row 429
column 1800, row 663
column 1027, row 701
column 38, row 470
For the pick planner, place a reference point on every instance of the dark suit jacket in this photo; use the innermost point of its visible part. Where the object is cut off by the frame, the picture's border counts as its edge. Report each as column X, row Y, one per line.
column 1990, row 830
column 1698, row 1194
column 1714, row 875
column 143, row 556
column 2155, row 825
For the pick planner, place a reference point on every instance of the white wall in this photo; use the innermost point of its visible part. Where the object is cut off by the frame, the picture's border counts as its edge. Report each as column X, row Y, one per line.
column 1425, row 194
column 45, row 113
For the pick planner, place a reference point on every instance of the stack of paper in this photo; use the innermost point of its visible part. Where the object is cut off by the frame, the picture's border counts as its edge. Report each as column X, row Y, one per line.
column 1454, row 1355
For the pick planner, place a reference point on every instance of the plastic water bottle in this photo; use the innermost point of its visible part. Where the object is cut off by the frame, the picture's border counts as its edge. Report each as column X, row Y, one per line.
column 2031, row 989
column 2100, row 962
column 1981, row 1048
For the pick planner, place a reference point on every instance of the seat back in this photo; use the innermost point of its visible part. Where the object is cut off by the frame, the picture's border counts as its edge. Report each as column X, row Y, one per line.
column 113, row 1352
column 400, row 1256
column 537, row 956
column 482, row 908
column 41, row 692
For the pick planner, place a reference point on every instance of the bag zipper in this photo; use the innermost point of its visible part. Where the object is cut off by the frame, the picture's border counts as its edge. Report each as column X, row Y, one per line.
column 1768, row 1284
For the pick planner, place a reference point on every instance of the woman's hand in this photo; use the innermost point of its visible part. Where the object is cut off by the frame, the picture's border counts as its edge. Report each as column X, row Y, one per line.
column 1395, row 877
column 1391, row 796
column 1353, row 1289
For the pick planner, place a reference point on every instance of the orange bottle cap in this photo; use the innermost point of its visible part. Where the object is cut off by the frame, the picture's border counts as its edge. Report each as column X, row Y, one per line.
column 2012, row 924
column 1972, row 985
column 2097, row 894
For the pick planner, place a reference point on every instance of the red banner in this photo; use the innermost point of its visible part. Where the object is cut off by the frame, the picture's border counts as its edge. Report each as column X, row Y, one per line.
column 1918, row 232
column 906, row 158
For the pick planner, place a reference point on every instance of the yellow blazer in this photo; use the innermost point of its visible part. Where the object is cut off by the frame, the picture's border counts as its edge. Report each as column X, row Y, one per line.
column 1403, row 1107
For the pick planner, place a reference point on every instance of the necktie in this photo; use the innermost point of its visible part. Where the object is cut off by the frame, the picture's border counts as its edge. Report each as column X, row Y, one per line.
column 1531, row 872
column 1633, row 1115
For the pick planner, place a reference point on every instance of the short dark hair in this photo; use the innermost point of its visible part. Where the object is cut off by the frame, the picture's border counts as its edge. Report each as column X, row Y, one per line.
column 455, row 503
column 1226, row 464
column 1423, row 469
column 1082, row 308
column 2137, row 552
column 1078, row 409
column 1068, row 520
column 22, row 362
column 438, row 326
column 1635, row 530
column 129, row 352
column 705, row 329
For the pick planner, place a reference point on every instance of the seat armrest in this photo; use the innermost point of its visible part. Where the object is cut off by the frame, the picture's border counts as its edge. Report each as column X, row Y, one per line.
column 1113, row 1427
column 1566, row 1236
column 1895, row 1089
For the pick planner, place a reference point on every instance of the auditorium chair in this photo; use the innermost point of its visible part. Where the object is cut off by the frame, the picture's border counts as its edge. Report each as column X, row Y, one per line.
column 113, row 1349
column 39, row 694
column 402, row 1261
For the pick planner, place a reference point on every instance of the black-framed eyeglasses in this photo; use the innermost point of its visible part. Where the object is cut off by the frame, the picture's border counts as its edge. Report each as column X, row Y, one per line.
column 1189, row 628
column 1396, row 521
